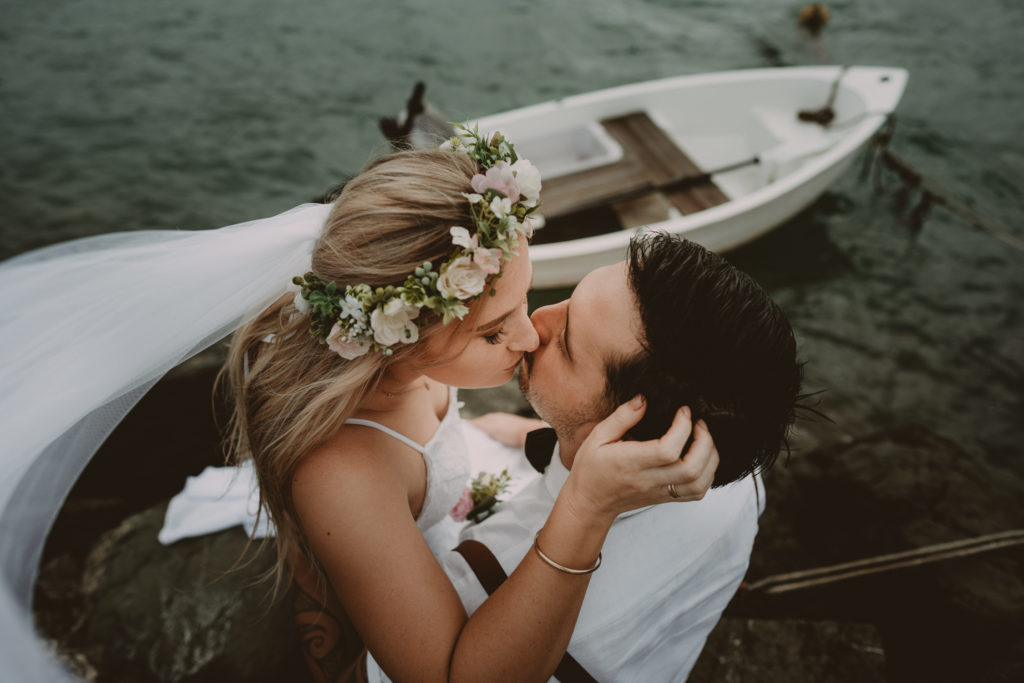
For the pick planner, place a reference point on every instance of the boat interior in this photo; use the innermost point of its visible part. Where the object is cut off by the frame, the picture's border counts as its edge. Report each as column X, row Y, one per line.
column 629, row 173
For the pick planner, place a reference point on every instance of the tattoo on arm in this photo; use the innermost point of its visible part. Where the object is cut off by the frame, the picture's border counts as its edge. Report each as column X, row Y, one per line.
column 324, row 637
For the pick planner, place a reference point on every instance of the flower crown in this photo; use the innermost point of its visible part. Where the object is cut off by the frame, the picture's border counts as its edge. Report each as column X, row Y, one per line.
column 360, row 318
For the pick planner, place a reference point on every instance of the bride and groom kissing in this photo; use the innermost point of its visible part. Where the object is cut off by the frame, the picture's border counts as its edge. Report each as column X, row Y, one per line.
column 659, row 376
column 678, row 326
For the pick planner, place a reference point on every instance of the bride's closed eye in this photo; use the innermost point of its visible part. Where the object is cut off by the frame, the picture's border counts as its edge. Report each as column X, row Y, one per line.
column 496, row 337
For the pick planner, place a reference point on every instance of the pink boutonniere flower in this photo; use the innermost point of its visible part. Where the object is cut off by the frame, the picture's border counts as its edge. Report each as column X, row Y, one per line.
column 478, row 500
column 463, row 507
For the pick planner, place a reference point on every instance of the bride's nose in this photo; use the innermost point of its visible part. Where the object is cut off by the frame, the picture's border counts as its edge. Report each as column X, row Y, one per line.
column 524, row 340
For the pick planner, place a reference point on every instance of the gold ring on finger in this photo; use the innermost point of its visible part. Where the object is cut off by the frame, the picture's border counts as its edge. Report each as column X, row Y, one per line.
column 672, row 491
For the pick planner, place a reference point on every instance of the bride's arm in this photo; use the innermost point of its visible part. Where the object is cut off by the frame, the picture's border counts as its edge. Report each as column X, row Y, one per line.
column 355, row 512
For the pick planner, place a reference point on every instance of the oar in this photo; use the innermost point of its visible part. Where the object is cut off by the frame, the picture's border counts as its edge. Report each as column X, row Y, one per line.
column 776, row 156
column 648, row 188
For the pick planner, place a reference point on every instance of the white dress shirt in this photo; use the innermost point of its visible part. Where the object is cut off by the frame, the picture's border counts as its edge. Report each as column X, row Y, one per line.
column 667, row 573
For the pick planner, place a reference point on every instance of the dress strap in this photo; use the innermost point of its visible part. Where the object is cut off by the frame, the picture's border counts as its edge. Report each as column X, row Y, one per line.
column 387, row 430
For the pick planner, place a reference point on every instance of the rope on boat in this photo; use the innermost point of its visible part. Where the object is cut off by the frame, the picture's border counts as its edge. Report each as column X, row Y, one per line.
column 932, row 193
column 824, row 116
column 782, row 583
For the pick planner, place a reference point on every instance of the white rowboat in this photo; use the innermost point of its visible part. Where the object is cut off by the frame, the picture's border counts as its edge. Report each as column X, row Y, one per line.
column 632, row 158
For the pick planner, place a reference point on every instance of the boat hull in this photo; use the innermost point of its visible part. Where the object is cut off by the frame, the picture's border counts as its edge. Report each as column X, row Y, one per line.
column 747, row 113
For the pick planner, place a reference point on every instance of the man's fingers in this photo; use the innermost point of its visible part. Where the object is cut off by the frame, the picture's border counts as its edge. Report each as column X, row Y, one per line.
column 669, row 447
column 615, row 426
column 693, row 475
column 701, row 452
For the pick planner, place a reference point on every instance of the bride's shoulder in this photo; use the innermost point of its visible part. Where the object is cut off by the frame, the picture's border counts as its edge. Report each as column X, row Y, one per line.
column 357, row 457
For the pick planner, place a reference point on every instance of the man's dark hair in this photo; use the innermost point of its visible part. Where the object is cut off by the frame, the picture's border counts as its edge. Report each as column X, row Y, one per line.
column 715, row 341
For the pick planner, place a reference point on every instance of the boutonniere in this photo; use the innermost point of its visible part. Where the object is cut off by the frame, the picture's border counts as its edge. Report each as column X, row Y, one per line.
column 478, row 500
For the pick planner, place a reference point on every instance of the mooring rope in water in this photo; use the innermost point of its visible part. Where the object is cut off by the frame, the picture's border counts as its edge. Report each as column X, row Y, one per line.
column 932, row 192
column 782, row 583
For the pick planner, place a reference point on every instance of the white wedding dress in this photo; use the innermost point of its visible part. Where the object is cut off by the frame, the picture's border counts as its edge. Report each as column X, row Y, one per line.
column 224, row 497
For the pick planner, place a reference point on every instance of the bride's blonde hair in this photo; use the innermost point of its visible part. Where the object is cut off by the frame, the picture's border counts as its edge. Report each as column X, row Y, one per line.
column 290, row 394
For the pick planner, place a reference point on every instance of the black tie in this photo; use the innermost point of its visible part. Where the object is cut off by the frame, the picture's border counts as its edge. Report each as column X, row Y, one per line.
column 540, row 444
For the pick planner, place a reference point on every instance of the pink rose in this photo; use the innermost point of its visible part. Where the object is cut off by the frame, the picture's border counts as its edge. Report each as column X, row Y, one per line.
column 463, row 507
column 499, row 177
column 339, row 342
column 488, row 259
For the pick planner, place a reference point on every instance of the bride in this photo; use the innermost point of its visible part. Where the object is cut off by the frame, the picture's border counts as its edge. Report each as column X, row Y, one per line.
column 343, row 398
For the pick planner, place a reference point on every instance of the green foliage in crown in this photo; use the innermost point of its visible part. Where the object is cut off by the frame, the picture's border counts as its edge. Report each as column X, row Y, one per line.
column 361, row 318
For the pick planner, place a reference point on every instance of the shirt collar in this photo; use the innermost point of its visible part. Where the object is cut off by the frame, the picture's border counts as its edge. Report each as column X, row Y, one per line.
column 556, row 474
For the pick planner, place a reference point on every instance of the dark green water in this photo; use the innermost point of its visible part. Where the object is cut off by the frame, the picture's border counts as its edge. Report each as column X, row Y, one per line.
column 124, row 115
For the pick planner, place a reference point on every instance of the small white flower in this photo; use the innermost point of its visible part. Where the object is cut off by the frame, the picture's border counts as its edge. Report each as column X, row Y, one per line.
column 339, row 341
column 351, row 307
column 462, row 279
column 300, row 303
column 392, row 323
column 501, row 206
column 473, row 197
column 460, row 236
column 528, row 179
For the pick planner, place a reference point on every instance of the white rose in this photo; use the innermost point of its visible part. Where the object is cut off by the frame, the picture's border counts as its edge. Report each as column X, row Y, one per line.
column 339, row 342
column 392, row 323
column 462, row 279
column 528, row 179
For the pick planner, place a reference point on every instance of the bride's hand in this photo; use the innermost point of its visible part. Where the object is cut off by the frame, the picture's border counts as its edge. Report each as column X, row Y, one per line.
column 610, row 476
column 507, row 428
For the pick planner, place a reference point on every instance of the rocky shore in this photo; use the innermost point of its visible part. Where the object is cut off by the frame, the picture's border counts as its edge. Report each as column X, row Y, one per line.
column 117, row 606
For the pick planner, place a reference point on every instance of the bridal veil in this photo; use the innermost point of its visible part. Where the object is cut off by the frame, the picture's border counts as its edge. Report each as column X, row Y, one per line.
column 86, row 328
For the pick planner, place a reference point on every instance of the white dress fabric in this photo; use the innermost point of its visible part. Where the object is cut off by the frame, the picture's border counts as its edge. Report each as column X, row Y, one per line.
column 86, row 328
column 668, row 571
column 224, row 497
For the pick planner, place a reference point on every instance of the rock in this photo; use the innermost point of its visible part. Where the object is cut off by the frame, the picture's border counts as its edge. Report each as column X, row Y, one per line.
column 769, row 651
column 144, row 612
column 188, row 612
column 897, row 490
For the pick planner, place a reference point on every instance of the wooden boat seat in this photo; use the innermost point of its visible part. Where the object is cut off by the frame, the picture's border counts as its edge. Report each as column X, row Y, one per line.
column 661, row 160
column 572, row 203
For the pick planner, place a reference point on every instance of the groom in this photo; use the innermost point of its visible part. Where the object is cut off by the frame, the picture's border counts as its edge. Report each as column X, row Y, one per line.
column 681, row 326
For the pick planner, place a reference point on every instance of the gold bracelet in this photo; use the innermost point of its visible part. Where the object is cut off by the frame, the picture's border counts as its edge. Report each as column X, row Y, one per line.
column 561, row 568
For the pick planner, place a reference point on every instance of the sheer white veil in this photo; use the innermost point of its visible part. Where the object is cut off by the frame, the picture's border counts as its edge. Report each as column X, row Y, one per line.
column 86, row 328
